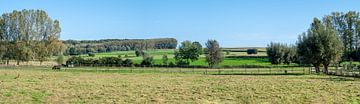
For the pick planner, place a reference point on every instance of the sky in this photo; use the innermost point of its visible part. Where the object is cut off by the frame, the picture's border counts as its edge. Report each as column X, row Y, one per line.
column 233, row 23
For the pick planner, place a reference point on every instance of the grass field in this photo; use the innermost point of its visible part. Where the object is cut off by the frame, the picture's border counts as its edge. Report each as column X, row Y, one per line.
column 157, row 54
column 41, row 85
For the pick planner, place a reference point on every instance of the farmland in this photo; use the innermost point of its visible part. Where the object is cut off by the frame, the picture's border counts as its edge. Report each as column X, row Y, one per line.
column 41, row 85
column 228, row 61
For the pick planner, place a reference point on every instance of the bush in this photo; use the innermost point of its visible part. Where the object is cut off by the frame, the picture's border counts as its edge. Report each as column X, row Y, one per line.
column 91, row 55
column 171, row 64
column 139, row 53
column 76, row 60
column 227, row 52
column 147, row 61
column 252, row 51
column 128, row 63
column 111, row 61
column 182, row 63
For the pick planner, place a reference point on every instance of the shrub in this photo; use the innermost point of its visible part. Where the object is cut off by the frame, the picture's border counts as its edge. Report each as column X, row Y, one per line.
column 171, row 64
column 111, row 61
column 147, row 61
column 227, row 52
column 128, row 63
column 91, row 55
column 76, row 60
column 139, row 53
column 252, row 51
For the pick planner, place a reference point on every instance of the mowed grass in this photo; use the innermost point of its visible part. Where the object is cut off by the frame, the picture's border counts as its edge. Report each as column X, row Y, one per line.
column 41, row 85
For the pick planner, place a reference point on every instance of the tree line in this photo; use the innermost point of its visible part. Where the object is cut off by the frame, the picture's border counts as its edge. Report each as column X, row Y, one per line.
column 330, row 40
column 29, row 35
column 109, row 45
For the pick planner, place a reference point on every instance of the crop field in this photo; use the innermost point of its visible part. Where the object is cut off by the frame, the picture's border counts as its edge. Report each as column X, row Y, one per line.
column 42, row 85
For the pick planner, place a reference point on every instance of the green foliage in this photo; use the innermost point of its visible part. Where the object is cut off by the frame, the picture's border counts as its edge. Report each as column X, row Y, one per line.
column 72, row 51
column 147, row 61
column 320, row 45
column 227, row 52
column 128, row 62
column 165, row 60
column 290, row 55
column 112, row 45
column 139, row 52
column 198, row 47
column 29, row 35
column 252, row 51
column 275, row 52
column 187, row 53
column 91, row 55
column 347, row 26
column 214, row 54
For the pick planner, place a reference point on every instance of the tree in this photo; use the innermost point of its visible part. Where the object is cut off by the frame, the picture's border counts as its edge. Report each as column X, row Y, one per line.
column 72, row 51
column 320, row 45
column 214, row 54
column 275, row 52
column 165, row 59
column 331, row 43
column 347, row 26
column 289, row 54
column 187, row 53
column 29, row 35
column 198, row 47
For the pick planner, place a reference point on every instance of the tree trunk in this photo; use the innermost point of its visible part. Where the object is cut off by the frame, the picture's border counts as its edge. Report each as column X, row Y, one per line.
column 317, row 69
column 7, row 61
column 17, row 62
column 326, row 67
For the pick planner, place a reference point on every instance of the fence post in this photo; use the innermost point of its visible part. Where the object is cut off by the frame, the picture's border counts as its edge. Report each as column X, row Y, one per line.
column 270, row 69
column 304, row 71
column 245, row 71
column 219, row 71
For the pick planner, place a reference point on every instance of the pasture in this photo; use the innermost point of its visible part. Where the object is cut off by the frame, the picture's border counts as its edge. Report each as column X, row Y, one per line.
column 228, row 61
column 78, row 85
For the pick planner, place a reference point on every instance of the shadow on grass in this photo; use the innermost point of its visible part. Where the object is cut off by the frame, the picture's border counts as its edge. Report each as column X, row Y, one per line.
column 261, row 74
column 337, row 78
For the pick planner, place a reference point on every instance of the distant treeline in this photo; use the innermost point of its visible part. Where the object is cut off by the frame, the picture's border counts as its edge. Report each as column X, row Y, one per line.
column 76, row 47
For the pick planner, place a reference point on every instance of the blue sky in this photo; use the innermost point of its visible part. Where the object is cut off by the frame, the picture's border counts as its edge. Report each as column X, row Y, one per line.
column 234, row 23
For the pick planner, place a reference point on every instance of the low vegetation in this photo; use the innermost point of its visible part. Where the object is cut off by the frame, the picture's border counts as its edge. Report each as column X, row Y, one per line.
column 39, row 85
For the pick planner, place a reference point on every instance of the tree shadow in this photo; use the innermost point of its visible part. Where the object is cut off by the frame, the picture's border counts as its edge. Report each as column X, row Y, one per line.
column 262, row 74
column 337, row 78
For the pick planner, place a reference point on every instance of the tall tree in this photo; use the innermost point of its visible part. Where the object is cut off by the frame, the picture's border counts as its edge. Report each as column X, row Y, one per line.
column 29, row 35
column 214, row 55
column 320, row 45
column 347, row 26
column 331, row 43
